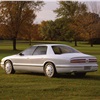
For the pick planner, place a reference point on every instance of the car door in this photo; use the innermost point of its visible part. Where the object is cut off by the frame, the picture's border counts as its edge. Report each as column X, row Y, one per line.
column 38, row 58
column 22, row 60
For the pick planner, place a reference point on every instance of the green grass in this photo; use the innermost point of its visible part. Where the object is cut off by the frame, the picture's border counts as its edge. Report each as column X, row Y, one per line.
column 33, row 86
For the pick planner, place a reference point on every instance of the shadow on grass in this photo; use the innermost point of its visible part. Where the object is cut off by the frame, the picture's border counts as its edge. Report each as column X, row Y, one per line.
column 63, row 76
column 87, row 77
column 29, row 73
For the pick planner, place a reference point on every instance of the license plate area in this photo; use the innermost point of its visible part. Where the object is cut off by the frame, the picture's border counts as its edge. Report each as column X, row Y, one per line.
column 87, row 67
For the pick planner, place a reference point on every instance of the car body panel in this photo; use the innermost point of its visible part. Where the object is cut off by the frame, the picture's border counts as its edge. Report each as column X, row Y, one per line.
column 35, row 63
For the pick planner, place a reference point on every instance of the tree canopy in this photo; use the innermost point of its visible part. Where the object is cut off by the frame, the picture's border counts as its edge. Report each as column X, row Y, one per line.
column 86, row 25
column 74, row 22
column 70, row 9
column 18, row 18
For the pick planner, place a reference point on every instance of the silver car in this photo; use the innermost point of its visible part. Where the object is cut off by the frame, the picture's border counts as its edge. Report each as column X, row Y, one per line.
column 50, row 59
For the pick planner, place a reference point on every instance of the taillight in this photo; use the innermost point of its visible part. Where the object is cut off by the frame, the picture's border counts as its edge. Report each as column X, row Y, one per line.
column 92, row 60
column 77, row 61
column 87, row 60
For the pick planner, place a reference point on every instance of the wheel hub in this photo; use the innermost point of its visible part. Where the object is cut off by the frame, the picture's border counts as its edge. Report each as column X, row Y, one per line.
column 8, row 67
column 49, row 70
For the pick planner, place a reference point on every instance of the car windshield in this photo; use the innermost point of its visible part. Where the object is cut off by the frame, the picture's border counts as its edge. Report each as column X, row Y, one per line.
column 64, row 49
column 29, row 51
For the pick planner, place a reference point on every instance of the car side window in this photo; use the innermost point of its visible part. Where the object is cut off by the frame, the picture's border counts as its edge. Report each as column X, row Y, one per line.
column 56, row 50
column 29, row 51
column 40, row 50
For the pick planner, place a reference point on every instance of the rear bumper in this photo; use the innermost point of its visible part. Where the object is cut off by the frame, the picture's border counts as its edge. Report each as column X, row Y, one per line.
column 70, row 69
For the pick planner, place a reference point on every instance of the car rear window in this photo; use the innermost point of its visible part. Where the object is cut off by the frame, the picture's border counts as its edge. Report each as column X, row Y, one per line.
column 64, row 49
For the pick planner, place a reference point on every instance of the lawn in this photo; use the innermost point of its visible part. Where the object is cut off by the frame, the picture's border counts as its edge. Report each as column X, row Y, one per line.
column 33, row 86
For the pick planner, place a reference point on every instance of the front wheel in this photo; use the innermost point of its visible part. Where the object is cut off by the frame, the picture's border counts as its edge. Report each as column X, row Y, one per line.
column 49, row 70
column 9, row 67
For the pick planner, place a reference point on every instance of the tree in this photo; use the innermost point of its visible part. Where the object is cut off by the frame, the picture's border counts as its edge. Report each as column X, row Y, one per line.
column 94, row 7
column 68, row 10
column 18, row 17
column 62, row 30
column 54, row 30
column 48, row 30
column 33, row 35
column 87, row 25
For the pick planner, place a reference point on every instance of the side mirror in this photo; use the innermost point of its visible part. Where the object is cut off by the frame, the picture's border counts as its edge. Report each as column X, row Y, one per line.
column 21, row 54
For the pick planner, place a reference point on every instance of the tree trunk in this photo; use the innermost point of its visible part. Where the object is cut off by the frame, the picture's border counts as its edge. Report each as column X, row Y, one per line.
column 91, row 42
column 14, row 44
column 30, row 43
column 91, row 45
column 75, row 42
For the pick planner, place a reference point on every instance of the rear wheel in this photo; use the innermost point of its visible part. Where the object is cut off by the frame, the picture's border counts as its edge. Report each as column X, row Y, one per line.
column 49, row 70
column 80, row 74
column 9, row 67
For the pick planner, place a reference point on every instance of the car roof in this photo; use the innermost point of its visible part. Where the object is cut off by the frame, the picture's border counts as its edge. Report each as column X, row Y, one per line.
column 50, row 45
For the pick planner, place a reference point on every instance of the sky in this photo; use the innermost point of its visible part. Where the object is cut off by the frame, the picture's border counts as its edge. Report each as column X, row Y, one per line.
column 46, row 12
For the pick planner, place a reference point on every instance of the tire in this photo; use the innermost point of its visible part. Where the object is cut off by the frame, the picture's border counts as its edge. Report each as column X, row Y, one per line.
column 9, row 67
column 49, row 70
column 80, row 74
